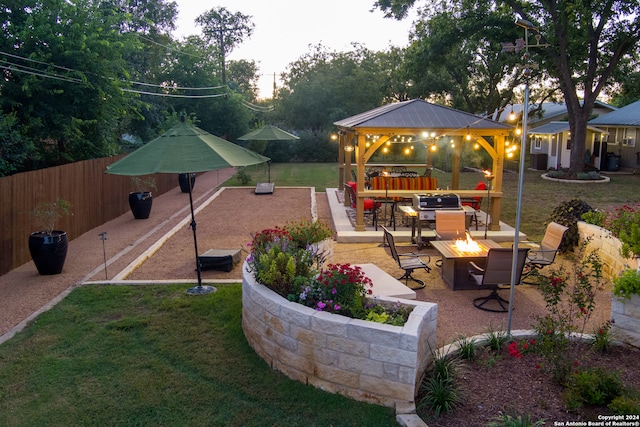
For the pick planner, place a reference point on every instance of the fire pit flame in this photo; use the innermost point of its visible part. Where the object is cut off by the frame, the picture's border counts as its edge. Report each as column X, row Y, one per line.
column 468, row 245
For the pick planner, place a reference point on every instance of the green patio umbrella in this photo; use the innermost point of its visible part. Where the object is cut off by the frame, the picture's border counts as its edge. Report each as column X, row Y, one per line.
column 267, row 133
column 186, row 148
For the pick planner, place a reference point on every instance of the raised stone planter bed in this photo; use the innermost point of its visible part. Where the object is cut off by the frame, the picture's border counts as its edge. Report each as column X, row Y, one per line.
column 625, row 313
column 366, row 361
column 608, row 248
column 626, row 316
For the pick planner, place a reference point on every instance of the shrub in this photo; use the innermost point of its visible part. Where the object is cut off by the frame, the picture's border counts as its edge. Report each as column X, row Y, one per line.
column 594, row 217
column 627, row 403
column 602, row 339
column 594, row 386
column 305, row 232
column 243, row 177
column 340, row 288
column 496, row 338
column 440, row 395
column 568, row 214
column 47, row 213
column 467, row 348
column 627, row 284
column 438, row 390
column 624, row 223
column 279, row 263
column 397, row 315
column 569, row 296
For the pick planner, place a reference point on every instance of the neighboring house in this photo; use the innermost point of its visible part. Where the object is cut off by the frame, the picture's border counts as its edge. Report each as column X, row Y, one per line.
column 550, row 138
column 622, row 129
column 551, row 146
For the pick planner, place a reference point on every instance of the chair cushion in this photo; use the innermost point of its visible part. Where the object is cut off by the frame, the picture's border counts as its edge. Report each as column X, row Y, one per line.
column 368, row 204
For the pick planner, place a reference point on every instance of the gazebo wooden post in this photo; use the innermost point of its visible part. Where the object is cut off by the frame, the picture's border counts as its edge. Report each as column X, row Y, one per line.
column 347, row 167
column 455, row 162
column 360, row 150
column 498, row 164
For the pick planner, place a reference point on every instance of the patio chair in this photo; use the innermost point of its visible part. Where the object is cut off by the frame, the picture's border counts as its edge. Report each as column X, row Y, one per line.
column 450, row 225
column 546, row 253
column 475, row 202
column 496, row 275
column 370, row 207
column 408, row 262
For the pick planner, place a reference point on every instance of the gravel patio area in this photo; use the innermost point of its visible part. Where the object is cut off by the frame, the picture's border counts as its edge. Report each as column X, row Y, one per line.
column 226, row 222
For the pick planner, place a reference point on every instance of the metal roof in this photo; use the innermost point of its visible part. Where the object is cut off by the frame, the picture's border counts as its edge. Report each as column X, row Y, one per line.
column 419, row 114
column 552, row 128
column 628, row 115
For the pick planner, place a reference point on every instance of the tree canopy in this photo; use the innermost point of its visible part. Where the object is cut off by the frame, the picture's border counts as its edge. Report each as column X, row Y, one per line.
column 83, row 78
column 587, row 42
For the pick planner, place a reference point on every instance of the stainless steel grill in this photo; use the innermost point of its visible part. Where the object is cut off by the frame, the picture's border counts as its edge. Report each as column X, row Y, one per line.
column 428, row 204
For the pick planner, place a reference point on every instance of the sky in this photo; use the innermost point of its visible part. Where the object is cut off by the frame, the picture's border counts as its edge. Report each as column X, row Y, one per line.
column 284, row 29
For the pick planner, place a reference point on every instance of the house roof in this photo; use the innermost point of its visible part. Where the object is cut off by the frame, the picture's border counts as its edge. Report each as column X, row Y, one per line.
column 419, row 114
column 549, row 110
column 628, row 115
column 553, row 128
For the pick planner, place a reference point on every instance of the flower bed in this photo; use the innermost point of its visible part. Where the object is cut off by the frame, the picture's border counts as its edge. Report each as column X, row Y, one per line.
column 367, row 361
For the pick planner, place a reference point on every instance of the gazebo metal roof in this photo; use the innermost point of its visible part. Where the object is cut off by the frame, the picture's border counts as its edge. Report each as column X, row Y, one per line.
column 419, row 114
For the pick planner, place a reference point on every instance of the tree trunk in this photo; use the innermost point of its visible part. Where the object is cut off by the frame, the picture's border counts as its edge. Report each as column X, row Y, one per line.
column 578, row 128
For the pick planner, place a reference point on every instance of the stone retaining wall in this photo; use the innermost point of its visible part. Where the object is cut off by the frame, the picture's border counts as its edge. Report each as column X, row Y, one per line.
column 366, row 361
column 608, row 248
column 625, row 313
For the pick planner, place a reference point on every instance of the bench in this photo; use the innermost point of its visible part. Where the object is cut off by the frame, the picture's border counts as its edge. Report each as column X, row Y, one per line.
column 384, row 284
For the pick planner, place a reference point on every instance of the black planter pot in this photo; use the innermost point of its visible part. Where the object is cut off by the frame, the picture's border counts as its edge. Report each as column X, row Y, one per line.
column 48, row 251
column 140, row 204
column 183, row 180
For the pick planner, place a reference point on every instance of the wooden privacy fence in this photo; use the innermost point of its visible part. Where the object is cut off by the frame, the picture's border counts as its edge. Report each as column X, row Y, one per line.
column 95, row 198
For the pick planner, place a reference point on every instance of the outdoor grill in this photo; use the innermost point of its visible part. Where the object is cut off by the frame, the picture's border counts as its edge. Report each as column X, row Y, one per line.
column 428, row 204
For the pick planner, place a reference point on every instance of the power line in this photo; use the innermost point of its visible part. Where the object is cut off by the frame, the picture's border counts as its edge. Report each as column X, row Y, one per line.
column 172, row 95
column 40, row 73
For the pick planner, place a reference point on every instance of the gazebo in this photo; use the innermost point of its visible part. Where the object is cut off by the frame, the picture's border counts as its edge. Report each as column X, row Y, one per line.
column 364, row 133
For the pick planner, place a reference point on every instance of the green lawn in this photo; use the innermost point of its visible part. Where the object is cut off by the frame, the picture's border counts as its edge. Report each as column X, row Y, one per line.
column 155, row 356
column 319, row 175
column 115, row 355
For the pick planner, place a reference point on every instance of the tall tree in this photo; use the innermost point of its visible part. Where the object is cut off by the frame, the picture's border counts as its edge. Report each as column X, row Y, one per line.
column 588, row 40
column 454, row 57
column 225, row 30
column 62, row 79
column 323, row 86
column 191, row 75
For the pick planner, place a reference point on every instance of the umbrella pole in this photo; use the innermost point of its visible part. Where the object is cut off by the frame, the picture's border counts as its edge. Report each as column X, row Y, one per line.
column 197, row 290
